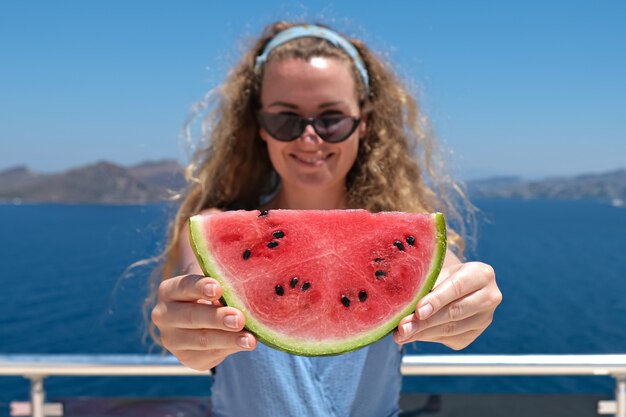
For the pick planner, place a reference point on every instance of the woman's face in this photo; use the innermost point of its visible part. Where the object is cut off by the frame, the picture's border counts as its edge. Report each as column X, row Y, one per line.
column 318, row 87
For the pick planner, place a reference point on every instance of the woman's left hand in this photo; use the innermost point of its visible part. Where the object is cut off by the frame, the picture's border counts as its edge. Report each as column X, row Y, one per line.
column 457, row 310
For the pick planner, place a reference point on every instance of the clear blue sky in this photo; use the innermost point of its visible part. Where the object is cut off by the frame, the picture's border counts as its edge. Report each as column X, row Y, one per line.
column 530, row 88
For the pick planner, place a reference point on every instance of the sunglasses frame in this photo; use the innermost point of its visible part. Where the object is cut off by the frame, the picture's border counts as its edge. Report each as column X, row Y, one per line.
column 304, row 122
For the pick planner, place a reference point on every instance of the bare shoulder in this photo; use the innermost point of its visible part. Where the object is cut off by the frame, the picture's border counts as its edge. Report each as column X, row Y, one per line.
column 210, row 211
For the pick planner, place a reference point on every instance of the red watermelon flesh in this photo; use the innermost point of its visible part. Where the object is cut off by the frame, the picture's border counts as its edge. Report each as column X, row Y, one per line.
column 315, row 282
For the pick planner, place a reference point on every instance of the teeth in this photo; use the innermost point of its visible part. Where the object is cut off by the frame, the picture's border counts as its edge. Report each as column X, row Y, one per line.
column 310, row 160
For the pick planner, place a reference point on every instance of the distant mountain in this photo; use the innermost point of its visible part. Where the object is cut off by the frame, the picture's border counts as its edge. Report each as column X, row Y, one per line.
column 18, row 177
column 164, row 173
column 154, row 181
column 608, row 186
column 99, row 183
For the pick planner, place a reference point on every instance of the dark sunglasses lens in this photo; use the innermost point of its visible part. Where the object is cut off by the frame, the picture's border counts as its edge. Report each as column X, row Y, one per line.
column 283, row 127
column 334, row 129
column 287, row 127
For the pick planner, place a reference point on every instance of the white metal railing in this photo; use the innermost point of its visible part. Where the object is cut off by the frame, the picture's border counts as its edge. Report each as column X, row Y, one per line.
column 38, row 367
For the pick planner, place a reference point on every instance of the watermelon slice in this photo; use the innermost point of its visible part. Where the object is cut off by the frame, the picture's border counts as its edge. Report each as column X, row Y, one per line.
column 325, row 282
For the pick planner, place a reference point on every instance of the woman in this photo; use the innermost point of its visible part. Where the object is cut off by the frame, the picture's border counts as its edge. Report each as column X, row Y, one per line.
column 311, row 120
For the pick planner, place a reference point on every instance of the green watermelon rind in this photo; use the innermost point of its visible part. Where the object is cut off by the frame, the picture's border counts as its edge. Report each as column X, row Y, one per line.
column 209, row 266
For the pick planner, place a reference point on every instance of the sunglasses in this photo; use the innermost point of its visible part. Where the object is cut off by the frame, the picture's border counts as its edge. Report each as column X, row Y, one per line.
column 332, row 128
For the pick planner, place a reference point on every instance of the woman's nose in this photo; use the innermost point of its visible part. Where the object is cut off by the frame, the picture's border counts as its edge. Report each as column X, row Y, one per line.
column 310, row 135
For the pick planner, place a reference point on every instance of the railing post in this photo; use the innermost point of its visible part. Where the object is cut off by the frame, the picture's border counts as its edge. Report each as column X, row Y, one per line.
column 37, row 395
column 620, row 396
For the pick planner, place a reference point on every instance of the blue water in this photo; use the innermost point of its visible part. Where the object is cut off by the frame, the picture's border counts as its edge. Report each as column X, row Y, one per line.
column 560, row 266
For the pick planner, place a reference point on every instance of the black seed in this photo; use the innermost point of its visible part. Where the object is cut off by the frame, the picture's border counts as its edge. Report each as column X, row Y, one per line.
column 279, row 290
column 306, row 286
column 294, row 282
column 263, row 213
column 398, row 245
column 345, row 301
column 272, row 244
column 378, row 260
column 380, row 274
column 362, row 296
column 246, row 254
column 278, row 234
column 410, row 240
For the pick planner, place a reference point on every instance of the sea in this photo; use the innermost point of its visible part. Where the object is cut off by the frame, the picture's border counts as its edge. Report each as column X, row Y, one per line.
column 65, row 289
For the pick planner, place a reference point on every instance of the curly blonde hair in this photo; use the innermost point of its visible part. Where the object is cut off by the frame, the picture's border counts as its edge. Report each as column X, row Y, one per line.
column 396, row 168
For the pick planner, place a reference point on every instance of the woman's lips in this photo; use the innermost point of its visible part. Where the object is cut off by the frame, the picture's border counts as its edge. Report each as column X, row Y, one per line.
column 311, row 160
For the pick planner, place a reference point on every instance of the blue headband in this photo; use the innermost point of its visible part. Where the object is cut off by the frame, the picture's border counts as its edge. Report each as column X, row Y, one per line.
column 312, row 31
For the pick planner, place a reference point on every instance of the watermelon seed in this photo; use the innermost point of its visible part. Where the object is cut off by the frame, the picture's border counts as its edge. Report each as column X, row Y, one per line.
column 263, row 213
column 398, row 245
column 380, row 274
column 278, row 234
column 306, row 286
column 272, row 244
column 410, row 240
column 377, row 260
column 345, row 301
column 246, row 254
column 362, row 296
column 294, row 281
column 279, row 290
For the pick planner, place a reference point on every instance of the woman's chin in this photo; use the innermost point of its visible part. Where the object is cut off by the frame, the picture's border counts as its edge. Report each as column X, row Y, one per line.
column 312, row 181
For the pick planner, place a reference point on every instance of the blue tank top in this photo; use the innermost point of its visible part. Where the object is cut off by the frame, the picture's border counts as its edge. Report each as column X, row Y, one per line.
column 267, row 382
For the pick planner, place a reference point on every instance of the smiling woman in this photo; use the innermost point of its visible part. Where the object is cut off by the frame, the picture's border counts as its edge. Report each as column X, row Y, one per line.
column 310, row 119
column 322, row 88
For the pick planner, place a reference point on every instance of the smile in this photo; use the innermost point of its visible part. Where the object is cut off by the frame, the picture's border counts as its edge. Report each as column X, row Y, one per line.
column 310, row 159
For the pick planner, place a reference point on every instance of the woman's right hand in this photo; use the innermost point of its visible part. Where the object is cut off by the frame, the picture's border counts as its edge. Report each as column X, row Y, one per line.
column 194, row 326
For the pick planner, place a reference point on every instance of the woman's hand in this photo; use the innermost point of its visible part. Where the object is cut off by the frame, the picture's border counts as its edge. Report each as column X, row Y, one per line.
column 457, row 311
column 193, row 325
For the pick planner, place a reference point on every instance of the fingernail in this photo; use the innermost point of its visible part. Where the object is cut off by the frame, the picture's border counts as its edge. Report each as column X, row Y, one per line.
column 408, row 329
column 425, row 311
column 244, row 342
column 231, row 321
column 210, row 290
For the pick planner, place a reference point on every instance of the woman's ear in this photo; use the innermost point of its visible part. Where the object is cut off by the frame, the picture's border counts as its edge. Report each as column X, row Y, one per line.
column 262, row 134
column 363, row 126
